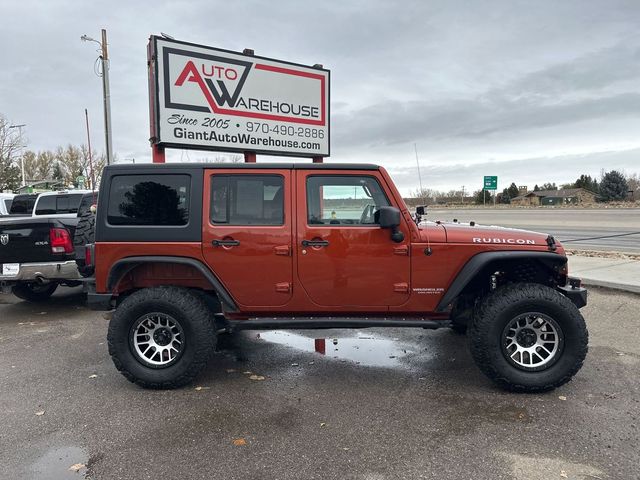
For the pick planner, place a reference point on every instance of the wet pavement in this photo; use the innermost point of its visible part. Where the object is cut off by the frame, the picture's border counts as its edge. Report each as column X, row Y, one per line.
column 345, row 404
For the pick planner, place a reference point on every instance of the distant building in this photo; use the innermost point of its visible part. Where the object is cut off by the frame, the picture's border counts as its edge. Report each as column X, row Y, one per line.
column 39, row 186
column 564, row 196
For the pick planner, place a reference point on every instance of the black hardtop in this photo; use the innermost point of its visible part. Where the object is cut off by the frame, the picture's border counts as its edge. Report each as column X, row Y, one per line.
column 173, row 167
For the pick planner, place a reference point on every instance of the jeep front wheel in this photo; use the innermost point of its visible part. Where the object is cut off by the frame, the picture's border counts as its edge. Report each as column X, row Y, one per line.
column 161, row 337
column 528, row 338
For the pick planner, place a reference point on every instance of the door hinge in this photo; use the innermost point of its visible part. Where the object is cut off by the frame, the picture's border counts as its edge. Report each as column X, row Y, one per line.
column 283, row 250
column 284, row 287
column 401, row 287
column 401, row 250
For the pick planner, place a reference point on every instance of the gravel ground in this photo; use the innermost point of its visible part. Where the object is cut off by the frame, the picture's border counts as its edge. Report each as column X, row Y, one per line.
column 380, row 403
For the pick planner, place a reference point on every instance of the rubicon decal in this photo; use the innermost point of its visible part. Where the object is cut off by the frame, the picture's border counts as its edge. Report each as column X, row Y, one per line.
column 215, row 99
column 512, row 241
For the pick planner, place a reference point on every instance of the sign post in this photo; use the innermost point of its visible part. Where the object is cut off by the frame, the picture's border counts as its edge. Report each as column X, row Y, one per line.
column 490, row 183
column 211, row 99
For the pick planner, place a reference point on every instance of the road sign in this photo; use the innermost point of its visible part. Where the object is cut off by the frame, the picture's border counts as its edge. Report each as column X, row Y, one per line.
column 490, row 182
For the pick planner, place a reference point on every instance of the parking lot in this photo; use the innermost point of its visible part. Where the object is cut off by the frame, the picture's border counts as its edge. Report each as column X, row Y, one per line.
column 377, row 404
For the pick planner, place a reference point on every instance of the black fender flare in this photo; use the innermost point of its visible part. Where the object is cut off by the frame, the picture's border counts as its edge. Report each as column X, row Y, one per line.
column 481, row 260
column 123, row 266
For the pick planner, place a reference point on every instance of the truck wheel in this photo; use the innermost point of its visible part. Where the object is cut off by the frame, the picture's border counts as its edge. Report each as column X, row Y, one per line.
column 32, row 292
column 528, row 337
column 85, row 234
column 161, row 337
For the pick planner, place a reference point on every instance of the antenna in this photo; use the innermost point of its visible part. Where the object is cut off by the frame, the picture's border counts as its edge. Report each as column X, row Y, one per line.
column 415, row 147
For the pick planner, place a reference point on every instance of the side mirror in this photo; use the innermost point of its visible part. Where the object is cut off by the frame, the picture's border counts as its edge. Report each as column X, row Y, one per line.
column 389, row 217
column 421, row 210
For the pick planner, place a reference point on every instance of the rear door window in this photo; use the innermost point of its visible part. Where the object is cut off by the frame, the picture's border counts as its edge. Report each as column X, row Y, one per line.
column 247, row 199
column 161, row 200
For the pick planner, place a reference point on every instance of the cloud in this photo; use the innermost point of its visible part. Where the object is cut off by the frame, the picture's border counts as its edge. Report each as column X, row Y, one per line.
column 468, row 81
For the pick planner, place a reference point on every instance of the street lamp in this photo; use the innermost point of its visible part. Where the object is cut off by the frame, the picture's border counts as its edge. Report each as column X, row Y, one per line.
column 20, row 127
column 106, row 95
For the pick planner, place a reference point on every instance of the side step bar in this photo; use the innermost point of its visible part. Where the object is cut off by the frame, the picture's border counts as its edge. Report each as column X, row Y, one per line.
column 316, row 324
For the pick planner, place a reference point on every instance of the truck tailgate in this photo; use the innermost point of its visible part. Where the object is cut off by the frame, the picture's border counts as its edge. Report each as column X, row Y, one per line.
column 25, row 240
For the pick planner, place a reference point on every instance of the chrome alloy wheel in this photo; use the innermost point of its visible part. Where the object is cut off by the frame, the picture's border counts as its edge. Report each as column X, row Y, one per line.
column 157, row 339
column 532, row 341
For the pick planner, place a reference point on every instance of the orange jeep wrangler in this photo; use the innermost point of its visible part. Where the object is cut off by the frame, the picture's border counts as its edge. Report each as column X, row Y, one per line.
column 186, row 252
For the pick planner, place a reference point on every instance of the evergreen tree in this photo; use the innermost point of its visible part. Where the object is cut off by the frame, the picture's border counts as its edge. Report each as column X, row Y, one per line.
column 483, row 196
column 504, row 197
column 613, row 186
column 513, row 190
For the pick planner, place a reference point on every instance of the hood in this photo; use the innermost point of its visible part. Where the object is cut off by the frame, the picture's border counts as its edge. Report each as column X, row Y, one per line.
column 493, row 235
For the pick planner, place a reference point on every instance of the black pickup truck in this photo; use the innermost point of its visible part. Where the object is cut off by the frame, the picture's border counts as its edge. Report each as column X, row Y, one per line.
column 36, row 255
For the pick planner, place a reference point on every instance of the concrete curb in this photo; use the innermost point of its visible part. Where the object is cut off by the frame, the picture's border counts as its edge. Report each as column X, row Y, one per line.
column 588, row 282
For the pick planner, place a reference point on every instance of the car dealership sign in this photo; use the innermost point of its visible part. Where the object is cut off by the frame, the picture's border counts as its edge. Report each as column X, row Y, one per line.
column 213, row 99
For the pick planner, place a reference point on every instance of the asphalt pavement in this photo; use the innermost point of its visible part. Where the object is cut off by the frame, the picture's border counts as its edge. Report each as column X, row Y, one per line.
column 377, row 404
column 574, row 227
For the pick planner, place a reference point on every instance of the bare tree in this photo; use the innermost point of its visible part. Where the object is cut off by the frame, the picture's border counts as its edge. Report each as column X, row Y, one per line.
column 30, row 160
column 11, row 142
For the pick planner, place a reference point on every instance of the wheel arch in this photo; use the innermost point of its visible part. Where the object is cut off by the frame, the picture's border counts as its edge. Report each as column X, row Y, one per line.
column 126, row 265
column 485, row 263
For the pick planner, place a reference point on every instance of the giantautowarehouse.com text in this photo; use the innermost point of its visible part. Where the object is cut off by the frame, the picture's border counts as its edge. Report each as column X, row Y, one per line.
column 243, row 139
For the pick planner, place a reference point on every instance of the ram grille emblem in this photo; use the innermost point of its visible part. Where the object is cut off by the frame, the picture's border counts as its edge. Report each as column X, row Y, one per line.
column 4, row 238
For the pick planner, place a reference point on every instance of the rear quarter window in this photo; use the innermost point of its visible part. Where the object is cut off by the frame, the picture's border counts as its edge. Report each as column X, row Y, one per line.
column 159, row 200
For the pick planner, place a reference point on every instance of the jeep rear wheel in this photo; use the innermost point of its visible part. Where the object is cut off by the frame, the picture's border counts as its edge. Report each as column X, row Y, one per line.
column 161, row 337
column 528, row 337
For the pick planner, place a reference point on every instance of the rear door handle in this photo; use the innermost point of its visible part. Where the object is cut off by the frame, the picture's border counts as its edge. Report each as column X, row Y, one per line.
column 315, row 243
column 225, row 243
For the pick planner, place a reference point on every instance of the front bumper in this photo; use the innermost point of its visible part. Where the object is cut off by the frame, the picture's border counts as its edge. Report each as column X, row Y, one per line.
column 47, row 270
column 577, row 294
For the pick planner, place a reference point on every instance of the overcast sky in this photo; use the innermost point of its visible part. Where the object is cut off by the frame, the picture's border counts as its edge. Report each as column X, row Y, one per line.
column 531, row 91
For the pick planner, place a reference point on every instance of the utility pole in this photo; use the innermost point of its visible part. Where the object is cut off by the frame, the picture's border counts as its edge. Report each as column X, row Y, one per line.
column 106, row 91
column 462, row 196
column 20, row 127
column 106, row 97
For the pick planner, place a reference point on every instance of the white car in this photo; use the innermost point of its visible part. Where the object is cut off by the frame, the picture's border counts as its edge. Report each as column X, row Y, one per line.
column 5, row 203
column 60, row 204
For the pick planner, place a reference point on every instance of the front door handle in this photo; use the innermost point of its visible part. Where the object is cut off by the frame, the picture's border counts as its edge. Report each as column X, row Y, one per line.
column 315, row 243
column 225, row 243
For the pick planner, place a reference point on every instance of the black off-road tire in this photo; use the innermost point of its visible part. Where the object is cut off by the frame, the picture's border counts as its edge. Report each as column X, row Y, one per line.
column 32, row 292
column 195, row 320
column 85, row 233
column 459, row 328
column 503, row 305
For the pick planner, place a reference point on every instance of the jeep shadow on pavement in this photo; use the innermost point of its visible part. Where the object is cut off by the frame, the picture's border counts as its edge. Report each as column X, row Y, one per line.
column 186, row 253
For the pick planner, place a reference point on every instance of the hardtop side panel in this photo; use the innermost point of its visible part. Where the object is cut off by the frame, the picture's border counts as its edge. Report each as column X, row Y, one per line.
column 191, row 232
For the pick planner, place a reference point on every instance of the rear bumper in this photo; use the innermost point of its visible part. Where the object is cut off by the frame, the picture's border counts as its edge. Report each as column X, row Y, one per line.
column 47, row 270
column 100, row 301
column 97, row 301
column 578, row 295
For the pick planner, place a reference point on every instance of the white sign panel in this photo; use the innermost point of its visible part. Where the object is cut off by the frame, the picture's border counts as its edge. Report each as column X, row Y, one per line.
column 214, row 99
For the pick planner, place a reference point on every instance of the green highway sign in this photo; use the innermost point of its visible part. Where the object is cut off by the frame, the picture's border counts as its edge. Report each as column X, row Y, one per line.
column 490, row 182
